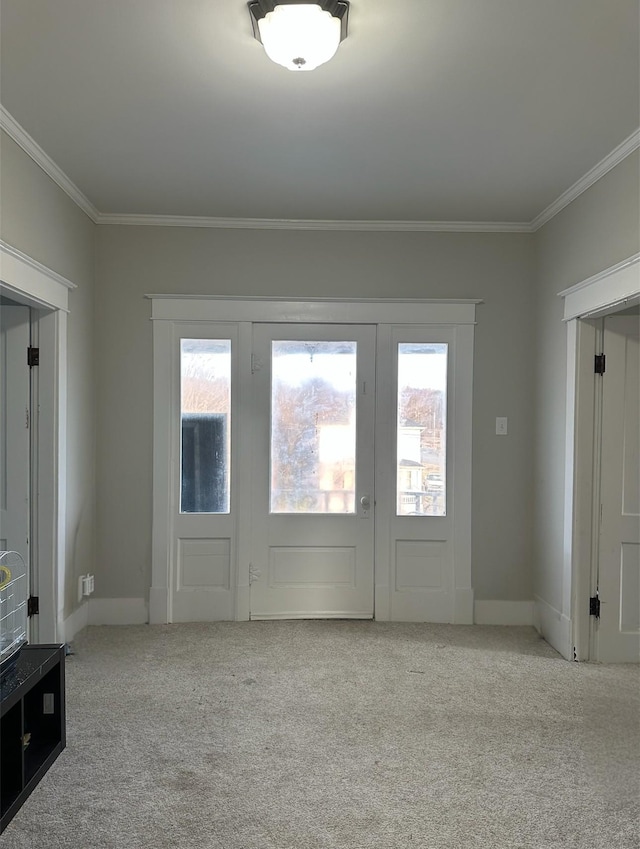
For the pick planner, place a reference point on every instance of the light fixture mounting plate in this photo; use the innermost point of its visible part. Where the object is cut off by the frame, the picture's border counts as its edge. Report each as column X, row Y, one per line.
column 337, row 9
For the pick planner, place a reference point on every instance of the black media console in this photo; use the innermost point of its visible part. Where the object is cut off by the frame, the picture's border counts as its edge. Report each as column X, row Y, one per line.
column 32, row 724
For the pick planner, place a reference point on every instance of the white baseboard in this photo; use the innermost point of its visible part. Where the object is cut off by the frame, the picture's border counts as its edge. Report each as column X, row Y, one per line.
column 118, row 611
column 158, row 606
column 463, row 606
column 72, row 625
column 503, row 613
column 553, row 626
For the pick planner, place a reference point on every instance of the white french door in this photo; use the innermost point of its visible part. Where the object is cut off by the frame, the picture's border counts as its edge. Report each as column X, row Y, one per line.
column 618, row 631
column 312, row 460
column 312, row 504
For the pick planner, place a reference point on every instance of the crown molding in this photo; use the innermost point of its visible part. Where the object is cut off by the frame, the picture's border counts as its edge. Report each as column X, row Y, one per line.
column 20, row 136
column 33, row 149
column 315, row 224
column 610, row 161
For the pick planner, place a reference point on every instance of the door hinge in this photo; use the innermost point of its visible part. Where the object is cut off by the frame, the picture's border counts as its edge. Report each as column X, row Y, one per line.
column 33, row 605
column 599, row 363
column 594, row 606
column 33, row 357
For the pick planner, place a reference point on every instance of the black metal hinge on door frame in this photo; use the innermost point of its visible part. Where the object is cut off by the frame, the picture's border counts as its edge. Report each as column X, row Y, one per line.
column 33, row 357
column 599, row 363
column 594, row 606
column 33, row 605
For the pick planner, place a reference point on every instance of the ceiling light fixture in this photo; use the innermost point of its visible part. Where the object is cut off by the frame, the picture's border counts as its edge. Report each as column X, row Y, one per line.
column 299, row 35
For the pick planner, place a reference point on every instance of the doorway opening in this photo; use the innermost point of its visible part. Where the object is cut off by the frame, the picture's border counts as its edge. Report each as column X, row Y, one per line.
column 602, row 514
column 44, row 294
column 342, row 494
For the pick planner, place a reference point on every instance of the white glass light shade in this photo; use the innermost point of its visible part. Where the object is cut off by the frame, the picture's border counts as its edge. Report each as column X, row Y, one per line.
column 299, row 37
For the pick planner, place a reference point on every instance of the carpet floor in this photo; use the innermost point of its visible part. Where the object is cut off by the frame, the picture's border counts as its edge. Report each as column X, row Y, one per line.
column 323, row 734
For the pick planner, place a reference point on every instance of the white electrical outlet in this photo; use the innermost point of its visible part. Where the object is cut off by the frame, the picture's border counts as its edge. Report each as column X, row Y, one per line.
column 501, row 426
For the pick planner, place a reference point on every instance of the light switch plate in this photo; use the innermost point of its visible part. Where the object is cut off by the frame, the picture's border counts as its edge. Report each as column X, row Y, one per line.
column 501, row 426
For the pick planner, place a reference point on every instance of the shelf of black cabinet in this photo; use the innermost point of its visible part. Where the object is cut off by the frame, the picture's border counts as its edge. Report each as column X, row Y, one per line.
column 32, row 724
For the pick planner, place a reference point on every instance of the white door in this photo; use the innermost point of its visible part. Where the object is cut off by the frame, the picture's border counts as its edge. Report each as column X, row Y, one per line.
column 618, row 630
column 14, row 427
column 312, row 501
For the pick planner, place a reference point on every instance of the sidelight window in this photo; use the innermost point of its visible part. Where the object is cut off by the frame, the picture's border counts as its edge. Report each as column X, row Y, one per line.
column 205, row 390
column 421, row 429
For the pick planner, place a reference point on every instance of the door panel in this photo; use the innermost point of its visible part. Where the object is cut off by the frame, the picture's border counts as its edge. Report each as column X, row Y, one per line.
column 618, row 631
column 312, row 502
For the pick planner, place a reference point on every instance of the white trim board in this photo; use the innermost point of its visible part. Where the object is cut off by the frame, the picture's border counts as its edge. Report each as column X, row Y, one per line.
column 22, row 138
column 316, row 224
column 597, row 295
column 503, row 612
column 553, row 626
column 103, row 611
column 73, row 624
column 33, row 149
column 612, row 287
column 32, row 283
column 336, row 311
column 37, row 284
column 133, row 611
column 118, row 611
column 619, row 153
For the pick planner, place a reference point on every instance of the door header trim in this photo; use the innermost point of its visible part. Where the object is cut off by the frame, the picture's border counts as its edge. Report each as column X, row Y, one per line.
column 340, row 311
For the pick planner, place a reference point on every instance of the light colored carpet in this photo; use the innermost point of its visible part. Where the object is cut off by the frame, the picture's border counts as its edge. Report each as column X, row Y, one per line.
column 354, row 735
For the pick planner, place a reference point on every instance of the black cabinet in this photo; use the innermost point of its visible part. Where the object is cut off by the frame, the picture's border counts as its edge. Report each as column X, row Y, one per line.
column 32, row 724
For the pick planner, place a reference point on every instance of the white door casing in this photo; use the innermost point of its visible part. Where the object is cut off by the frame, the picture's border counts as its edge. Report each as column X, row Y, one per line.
column 618, row 629
column 28, row 282
column 15, row 415
column 307, row 564
column 571, row 629
column 168, row 312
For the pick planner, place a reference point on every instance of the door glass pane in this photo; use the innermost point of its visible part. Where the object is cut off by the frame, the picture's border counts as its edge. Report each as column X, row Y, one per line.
column 205, row 380
column 313, row 427
column 422, row 429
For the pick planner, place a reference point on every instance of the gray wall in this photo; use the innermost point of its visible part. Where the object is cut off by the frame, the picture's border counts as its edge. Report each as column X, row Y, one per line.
column 519, row 368
column 132, row 261
column 39, row 219
column 600, row 228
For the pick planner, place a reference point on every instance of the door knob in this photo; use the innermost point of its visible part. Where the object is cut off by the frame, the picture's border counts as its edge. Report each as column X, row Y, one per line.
column 364, row 502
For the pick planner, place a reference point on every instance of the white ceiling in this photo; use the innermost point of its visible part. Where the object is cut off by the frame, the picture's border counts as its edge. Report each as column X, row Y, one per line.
column 432, row 110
